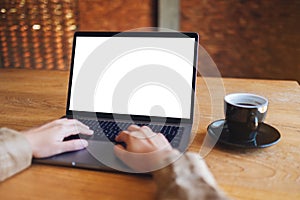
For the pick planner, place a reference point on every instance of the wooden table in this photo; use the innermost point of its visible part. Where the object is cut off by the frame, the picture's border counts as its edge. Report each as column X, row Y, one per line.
column 33, row 97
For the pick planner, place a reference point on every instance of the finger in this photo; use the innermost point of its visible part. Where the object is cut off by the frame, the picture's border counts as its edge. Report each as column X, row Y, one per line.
column 51, row 124
column 120, row 147
column 73, row 128
column 162, row 137
column 133, row 128
column 162, row 142
column 55, row 122
column 84, row 130
column 64, row 122
column 146, row 128
column 72, row 145
column 75, row 122
column 66, row 131
column 143, row 133
column 123, row 137
column 147, row 131
column 119, row 151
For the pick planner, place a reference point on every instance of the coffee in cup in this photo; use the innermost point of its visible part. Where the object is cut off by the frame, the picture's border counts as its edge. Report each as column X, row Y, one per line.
column 244, row 113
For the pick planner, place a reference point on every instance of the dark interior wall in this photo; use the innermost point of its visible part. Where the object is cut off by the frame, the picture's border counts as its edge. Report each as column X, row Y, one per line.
column 248, row 38
column 38, row 34
column 116, row 15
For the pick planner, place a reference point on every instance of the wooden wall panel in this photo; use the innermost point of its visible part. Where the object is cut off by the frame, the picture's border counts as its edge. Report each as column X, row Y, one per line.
column 248, row 38
column 116, row 15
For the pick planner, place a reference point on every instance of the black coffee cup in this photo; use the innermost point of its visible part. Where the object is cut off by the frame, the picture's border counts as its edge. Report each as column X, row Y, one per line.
column 244, row 113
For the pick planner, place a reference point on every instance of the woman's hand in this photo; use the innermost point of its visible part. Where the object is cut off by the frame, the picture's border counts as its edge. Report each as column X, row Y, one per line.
column 145, row 150
column 47, row 140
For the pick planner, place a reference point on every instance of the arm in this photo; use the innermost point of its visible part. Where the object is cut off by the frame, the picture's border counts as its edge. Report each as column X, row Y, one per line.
column 186, row 178
column 15, row 153
column 177, row 176
column 18, row 148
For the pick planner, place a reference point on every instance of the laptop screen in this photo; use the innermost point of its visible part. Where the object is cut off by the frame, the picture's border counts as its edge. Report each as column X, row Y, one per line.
column 146, row 74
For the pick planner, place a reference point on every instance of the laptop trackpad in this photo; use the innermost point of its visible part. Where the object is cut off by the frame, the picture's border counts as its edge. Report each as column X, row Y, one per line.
column 104, row 153
column 98, row 155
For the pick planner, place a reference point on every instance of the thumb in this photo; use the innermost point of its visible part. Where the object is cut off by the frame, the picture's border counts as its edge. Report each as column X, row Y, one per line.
column 73, row 145
column 119, row 151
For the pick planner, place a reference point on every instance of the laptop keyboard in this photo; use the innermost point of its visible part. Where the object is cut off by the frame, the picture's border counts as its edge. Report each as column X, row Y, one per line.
column 104, row 130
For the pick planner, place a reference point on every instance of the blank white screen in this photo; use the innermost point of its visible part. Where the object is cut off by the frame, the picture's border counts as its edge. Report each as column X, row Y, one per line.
column 150, row 98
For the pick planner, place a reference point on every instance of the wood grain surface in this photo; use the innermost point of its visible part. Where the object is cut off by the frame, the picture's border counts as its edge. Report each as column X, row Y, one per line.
column 32, row 97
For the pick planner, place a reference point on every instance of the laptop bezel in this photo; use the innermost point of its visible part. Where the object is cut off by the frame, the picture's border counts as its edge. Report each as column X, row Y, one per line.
column 100, row 115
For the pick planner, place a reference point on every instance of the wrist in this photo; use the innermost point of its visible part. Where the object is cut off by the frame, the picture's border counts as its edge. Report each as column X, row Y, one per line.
column 183, row 166
column 30, row 140
column 169, row 156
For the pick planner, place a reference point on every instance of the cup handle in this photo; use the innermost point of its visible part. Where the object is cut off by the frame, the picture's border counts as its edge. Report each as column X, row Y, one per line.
column 253, row 122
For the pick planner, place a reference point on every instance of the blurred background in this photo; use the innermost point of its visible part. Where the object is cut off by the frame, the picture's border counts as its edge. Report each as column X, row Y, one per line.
column 245, row 38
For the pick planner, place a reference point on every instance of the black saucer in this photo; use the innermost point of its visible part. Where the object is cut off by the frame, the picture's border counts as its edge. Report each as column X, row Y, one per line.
column 266, row 136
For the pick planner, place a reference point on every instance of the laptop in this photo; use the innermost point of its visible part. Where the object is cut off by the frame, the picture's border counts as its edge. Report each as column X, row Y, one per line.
column 123, row 78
